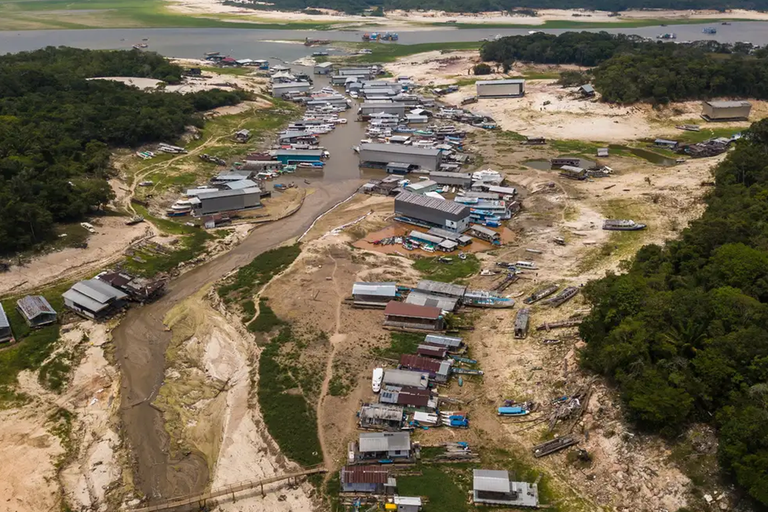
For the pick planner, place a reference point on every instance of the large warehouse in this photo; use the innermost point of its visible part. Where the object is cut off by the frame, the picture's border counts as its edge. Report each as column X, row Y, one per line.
column 376, row 107
column 725, row 110
column 460, row 179
column 226, row 201
column 500, row 88
column 379, row 155
column 431, row 211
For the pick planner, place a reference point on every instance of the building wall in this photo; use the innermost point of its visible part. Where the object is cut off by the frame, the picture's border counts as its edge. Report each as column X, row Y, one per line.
column 390, row 108
column 502, row 90
column 439, row 218
column 426, row 162
column 226, row 204
column 81, row 310
column 414, row 323
column 5, row 334
column 458, row 180
column 278, row 92
column 726, row 112
column 298, row 158
column 346, row 487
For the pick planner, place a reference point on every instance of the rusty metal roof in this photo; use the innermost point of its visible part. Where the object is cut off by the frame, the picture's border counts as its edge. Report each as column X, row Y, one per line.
column 395, row 308
column 364, row 474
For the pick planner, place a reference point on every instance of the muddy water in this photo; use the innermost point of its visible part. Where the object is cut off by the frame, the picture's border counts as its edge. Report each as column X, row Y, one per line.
column 141, row 340
column 647, row 155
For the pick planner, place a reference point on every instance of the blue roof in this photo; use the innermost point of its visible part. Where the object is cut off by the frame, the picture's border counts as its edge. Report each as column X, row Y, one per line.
column 4, row 323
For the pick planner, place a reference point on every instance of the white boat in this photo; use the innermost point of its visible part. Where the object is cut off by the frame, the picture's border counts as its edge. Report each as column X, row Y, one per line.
column 378, row 376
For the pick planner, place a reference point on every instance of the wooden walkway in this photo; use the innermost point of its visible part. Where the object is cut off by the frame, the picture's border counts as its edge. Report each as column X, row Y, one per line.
column 199, row 499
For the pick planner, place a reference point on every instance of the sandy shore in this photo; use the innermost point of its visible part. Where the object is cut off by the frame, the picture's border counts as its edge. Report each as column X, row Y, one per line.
column 403, row 19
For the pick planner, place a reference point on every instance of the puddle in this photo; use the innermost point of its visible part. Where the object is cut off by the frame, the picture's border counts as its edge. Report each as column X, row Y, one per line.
column 545, row 165
column 647, row 155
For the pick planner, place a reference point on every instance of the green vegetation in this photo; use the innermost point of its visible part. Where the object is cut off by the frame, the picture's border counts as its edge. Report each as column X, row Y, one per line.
column 446, row 487
column 707, row 133
column 289, row 418
column 576, row 147
column 683, row 332
column 267, row 320
column 243, row 284
column 60, row 425
column 57, row 130
column 342, row 380
column 54, row 374
column 628, row 70
column 399, row 343
column 481, row 69
column 435, row 270
column 583, row 25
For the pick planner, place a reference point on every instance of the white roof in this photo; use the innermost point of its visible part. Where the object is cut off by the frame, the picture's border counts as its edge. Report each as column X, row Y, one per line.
column 384, row 441
column 408, row 500
column 375, row 289
column 491, row 480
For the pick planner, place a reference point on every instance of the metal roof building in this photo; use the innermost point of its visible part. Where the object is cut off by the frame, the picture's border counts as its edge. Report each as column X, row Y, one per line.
column 433, row 212
column 388, row 107
column 419, row 380
column 492, row 487
column 440, row 371
column 421, row 186
column 438, row 288
column 242, row 184
column 484, row 233
column 726, row 110
column 36, row 310
column 381, row 416
column 93, row 298
column 373, row 479
column 324, row 68
column 500, row 88
column 226, row 201
column 450, row 235
column 278, row 90
column 460, row 179
column 373, row 294
column 445, row 341
column 410, row 316
column 379, row 155
column 389, row 442
column 418, row 298
column 5, row 327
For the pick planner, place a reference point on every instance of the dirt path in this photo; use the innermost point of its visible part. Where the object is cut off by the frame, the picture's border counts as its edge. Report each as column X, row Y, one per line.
column 336, row 339
column 141, row 340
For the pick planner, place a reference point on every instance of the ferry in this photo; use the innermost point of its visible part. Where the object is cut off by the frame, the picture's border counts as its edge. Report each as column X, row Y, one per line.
column 378, row 376
column 320, row 53
column 180, row 208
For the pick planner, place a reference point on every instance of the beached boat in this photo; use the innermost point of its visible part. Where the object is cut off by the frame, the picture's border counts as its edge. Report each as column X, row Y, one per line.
column 622, row 225
column 378, row 376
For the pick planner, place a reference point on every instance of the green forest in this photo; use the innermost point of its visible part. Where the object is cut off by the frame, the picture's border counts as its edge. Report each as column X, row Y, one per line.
column 57, row 128
column 627, row 69
column 684, row 332
column 358, row 6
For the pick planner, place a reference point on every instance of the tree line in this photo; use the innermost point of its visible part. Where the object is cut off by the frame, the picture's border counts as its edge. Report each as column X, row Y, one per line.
column 684, row 332
column 476, row 6
column 57, row 130
column 627, row 69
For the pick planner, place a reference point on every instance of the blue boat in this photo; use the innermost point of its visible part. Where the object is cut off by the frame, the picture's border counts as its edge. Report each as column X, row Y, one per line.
column 513, row 411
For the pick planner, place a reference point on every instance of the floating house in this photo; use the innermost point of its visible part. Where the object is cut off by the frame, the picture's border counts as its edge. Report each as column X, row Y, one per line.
column 384, row 446
column 431, row 212
column 439, row 371
column 94, row 299
column 513, row 88
column 381, row 416
column 726, row 110
column 324, row 68
column 453, row 344
column 409, row 397
column 379, row 155
column 6, row 334
column 410, row 316
column 367, row 479
column 36, row 311
column 456, row 179
column 493, row 487
column 226, row 201
column 373, row 295
column 411, row 379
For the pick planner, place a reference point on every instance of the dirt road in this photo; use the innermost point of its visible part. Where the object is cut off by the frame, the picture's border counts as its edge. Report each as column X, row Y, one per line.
column 141, row 341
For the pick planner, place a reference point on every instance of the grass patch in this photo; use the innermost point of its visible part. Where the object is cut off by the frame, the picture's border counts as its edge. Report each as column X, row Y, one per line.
column 288, row 416
column 343, row 379
column 448, row 272
column 258, row 272
column 708, row 133
column 580, row 25
column 267, row 320
column 54, row 374
column 588, row 149
column 445, row 487
column 399, row 343
column 249, row 308
column 509, row 134
column 165, row 225
column 189, row 248
column 60, row 425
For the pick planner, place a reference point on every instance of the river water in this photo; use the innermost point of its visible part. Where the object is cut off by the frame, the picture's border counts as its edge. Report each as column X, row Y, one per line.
column 249, row 43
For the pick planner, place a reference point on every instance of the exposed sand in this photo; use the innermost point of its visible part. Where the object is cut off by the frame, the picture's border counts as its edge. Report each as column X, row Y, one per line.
column 402, row 19
column 140, row 83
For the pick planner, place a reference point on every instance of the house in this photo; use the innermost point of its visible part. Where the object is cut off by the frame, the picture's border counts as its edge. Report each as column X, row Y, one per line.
column 409, row 397
column 243, row 136
column 416, row 380
column 451, row 343
column 431, row 212
column 282, row 90
column 404, row 504
column 573, row 172
column 726, row 110
column 379, row 155
column 5, row 327
column 484, row 233
column 398, row 168
column 500, row 88
column 446, row 304
column 665, row 143
column 602, row 152
column 493, row 487
column 381, row 416
column 373, row 295
column 587, row 91
column 324, row 68
column 421, row 186
column 505, row 192
column 521, row 323
column 36, row 311
column 535, row 141
column 439, row 371
column 138, row 288
column 367, row 479
column 441, row 289
column 455, row 179
column 384, row 446
column 296, row 156
column 385, row 106
column 461, row 240
column 94, row 299
column 410, row 316
column 226, row 201
column 557, row 162
column 433, row 351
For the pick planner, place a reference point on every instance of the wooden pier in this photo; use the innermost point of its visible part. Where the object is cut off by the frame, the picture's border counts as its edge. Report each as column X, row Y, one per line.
column 230, row 490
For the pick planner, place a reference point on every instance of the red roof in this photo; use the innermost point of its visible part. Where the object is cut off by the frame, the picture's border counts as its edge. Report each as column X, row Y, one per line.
column 364, row 474
column 414, row 397
column 395, row 308
column 420, row 363
column 432, row 351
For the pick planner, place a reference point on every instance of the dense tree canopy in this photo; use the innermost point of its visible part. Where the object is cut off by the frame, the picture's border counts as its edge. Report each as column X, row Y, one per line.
column 56, row 129
column 357, row 6
column 684, row 333
column 627, row 69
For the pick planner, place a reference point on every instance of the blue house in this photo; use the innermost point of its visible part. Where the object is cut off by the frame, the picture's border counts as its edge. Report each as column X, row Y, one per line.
column 296, row 156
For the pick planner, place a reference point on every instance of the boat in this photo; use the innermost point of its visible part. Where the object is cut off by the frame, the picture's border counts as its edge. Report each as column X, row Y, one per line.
column 709, row 30
column 667, row 36
column 180, row 208
column 378, row 376
column 484, row 299
column 136, row 219
column 725, row 23
column 513, row 411
column 622, row 225
column 320, row 53
column 541, row 293
column 562, row 297
column 279, row 186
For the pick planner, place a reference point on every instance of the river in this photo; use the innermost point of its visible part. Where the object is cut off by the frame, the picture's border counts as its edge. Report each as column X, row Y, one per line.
column 249, row 43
